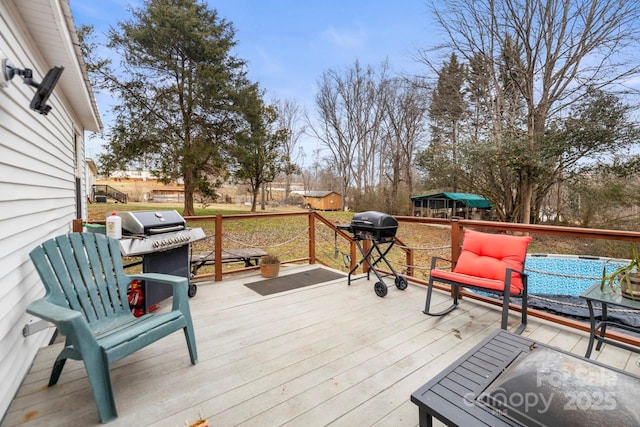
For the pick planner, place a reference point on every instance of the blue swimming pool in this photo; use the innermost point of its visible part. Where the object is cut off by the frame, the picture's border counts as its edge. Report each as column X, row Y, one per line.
column 564, row 274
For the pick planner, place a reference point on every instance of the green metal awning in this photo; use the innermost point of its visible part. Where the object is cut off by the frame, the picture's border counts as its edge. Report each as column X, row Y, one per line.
column 468, row 199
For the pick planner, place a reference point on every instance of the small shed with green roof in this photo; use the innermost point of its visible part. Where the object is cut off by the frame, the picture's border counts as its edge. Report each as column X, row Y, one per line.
column 446, row 205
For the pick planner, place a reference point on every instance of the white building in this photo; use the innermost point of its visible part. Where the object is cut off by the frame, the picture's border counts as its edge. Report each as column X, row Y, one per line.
column 42, row 165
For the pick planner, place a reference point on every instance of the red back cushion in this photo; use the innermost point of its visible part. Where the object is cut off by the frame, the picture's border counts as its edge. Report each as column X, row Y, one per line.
column 489, row 255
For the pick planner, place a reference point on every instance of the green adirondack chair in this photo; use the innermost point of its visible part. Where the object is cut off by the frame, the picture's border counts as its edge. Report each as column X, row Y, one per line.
column 86, row 298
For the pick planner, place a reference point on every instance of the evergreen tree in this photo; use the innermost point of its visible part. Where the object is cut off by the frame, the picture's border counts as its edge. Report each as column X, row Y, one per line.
column 178, row 84
column 447, row 111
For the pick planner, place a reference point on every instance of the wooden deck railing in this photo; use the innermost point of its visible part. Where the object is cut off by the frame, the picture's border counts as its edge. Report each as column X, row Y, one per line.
column 319, row 227
column 457, row 230
column 314, row 221
column 456, row 227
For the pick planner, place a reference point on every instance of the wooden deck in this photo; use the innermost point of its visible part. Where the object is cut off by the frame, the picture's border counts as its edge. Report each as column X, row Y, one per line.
column 328, row 354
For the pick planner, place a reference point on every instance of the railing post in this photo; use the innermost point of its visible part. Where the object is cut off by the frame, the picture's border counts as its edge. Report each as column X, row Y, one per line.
column 409, row 262
column 456, row 242
column 76, row 225
column 218, row 248
column 312, row 237
column 456, row 239
column 366, row 245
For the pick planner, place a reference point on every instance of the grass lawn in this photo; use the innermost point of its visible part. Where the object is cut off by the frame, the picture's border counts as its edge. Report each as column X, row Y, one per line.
column 99, row 211
column 287, row 237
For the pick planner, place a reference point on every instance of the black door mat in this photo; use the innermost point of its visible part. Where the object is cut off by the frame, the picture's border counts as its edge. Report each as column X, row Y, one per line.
column 294, row 281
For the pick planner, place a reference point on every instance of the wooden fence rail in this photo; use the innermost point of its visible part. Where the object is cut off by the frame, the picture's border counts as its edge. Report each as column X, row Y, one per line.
column 456, row 227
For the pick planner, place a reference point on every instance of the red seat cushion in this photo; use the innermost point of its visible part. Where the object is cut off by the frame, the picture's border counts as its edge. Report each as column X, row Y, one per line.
column 487, row 256
column 496, row 285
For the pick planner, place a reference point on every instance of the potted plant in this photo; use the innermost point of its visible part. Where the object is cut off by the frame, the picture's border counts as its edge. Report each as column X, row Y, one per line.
column 625, row 278
column 269, row 266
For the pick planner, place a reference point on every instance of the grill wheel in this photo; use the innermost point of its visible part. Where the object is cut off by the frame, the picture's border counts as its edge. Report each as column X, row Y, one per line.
column 193, row 289
column 380, row 289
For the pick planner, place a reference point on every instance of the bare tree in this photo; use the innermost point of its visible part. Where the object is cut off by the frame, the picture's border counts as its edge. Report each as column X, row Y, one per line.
column 561, row 46
column 257, row 151
column 349, row 125
column 405, row 105
column 289, row 119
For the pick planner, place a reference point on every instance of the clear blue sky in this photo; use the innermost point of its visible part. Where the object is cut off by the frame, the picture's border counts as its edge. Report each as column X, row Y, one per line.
column 289, row 43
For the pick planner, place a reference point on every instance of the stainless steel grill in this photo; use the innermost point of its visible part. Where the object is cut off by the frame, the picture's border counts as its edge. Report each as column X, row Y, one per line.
column 146, row 232
column 163, row 241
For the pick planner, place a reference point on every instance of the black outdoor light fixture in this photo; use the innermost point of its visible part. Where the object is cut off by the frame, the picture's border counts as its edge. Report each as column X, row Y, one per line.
column 43, row 89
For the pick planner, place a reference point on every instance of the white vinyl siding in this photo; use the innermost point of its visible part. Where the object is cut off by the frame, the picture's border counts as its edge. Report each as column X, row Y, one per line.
column 38, row 165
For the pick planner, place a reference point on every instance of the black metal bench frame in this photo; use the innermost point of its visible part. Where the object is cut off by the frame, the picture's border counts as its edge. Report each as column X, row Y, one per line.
column 249, row 256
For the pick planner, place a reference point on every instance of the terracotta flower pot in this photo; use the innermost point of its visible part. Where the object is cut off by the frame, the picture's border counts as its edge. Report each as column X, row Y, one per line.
column 269, row 270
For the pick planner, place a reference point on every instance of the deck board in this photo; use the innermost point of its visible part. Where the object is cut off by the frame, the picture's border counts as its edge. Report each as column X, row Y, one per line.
column 327, row 354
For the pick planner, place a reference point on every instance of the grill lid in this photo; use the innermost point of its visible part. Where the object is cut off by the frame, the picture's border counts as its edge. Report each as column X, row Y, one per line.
column 151, row 222
column 373, row 225
column 373, row 220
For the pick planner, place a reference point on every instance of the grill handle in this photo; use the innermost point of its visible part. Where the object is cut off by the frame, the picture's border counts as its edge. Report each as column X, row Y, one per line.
column 165, row 229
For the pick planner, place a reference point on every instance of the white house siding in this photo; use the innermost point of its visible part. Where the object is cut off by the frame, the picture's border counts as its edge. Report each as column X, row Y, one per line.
column 39, row 160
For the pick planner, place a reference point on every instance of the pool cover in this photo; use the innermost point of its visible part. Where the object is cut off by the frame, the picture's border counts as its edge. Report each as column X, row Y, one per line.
column 576, row 308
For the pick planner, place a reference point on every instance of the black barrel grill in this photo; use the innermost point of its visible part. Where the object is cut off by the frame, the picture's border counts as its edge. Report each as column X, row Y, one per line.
column 163, row 241
column 380, row 229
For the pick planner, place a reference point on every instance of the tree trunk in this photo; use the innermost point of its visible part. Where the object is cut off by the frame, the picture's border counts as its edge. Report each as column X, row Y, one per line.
column 254, row 199
column 188, row 195
column 287, row 188
column 535, row 129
